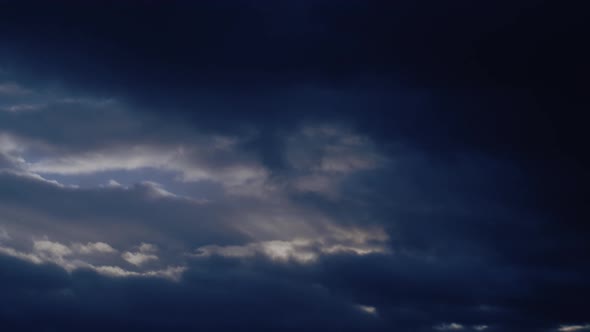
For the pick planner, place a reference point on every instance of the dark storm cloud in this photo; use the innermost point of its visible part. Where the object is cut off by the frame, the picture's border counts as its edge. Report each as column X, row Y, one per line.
column 324, row 166
column 475, row 70
column 408, row 294
column 260, row 294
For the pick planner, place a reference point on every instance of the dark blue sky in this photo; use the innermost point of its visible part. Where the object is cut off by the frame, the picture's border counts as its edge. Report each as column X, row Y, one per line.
column 294, row 166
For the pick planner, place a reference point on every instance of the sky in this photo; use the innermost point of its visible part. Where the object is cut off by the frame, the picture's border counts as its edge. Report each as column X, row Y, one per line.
column 321, row 165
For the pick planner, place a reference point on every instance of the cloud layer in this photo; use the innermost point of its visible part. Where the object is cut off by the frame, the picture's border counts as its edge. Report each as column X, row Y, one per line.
column 289, row 166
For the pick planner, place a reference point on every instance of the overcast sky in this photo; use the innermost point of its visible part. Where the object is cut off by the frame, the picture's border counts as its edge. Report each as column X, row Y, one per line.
column 306, row 165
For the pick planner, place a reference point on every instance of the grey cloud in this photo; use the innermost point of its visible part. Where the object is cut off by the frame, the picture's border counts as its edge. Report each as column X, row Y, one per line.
column 96, row 212
column 10, row 88
column 323, row 156
column 3, row 234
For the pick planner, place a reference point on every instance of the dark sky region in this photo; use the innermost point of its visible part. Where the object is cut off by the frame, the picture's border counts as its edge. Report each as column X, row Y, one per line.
column 305, row 165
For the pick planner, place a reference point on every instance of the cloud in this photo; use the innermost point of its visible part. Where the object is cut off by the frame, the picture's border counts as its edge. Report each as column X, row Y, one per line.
column 54, row 250
column 146, row 252
column 91, row 211
column 570, row 328
column 449, row 327
column 206, row 292
column 94, row 248
column 46, row 251
column 147, row 247
column 13, row 89
column 21, row 108
column 236, row 178
column 20, row 255
column 386, row 190
column 306, row 250
column 3, row 234
column 368, row 309
column 171, row 272
column 9, row 144
column 324, row 156
column 262, row 199
column 190, row 164
column 138, row 258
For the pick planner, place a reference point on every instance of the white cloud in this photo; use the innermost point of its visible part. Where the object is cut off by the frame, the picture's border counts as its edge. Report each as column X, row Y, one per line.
column 36, row 177
column 276, row 250
column 10, row 144
column 368, row 309
column 449, row 327
column 20, row 255
column 191, row 165
column 138, row 258
column 147, row 247
column 156, row 189
column 93, row 248
column 131, row 158
column 172, row 272
column 306, row 250
column 113, row 183
column 45, row 251
column 480, row 327
column 52, row 249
